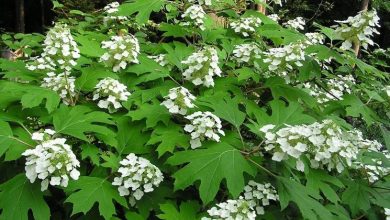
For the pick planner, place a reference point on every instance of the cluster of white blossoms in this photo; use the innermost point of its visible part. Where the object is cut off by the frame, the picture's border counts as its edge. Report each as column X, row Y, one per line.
column 314, row 38
column 298, row 23
column 110, row 10
column 358, row 29
column 259, row 195
column 179, row 100
column 161, row 59
column 387, row 213
column 375, row 170
column 201, row 2
column 204, row 125
column 255, row 197
column 63, row 84
column 52, row 161
column 324, row 145
column 336, row 88
column 239, row 209
column 274, row 17
column 244, row 53
column 194, row 16
column 110, row 92
column 246, row 26
column 137, row 177
column 60, row 51
column 281, row 61
column 202, row 66
column 122, row 50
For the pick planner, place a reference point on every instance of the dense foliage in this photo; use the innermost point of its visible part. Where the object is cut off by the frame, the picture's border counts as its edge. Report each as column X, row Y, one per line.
column 195, row 109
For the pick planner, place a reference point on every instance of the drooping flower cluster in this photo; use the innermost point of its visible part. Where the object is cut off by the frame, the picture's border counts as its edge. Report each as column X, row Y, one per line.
column 281, row 61
column 244, row 53
column 324, row 145
column 111, row 93
column 232, row 210
column 110, row 10
column 179, row 100
column 246, row 26
column 63, row 84
column 358, row 29
column 194, row 16
column 336, row 88
column 52, row 161
column 202, row 66
column 314, row 38
column 60, row 51
column 137, row 177
column 259, row 195
column 204, row 125
column 255, row 197
column 122, row 50
column 298, row 23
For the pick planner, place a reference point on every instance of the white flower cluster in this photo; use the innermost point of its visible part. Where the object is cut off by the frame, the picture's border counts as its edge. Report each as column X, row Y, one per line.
column 239, row 209
column 387, row 213
column 255, row 197
column 201, row 2
column 161, row 59
column 298, row 23
column 278, row 2
column 324, row 145
column 359, row 28
column 336, row 88
column 63, row 84
column 274, row 17
column 110, row 92
column 204, row 125
column 137, row 177
column 259, row 195
column 202, row 66
column 122, row 50
column 314, row 38
column 375, row 170
column 110, row 10
column 179, row 100
column 52, row 161
column 283, row 59
column 60, row 51
column 244, row 53
column 246, row 26
column 194, row 16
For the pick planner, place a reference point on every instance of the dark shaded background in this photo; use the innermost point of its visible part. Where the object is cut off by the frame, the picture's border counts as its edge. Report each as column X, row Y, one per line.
column 38, row 14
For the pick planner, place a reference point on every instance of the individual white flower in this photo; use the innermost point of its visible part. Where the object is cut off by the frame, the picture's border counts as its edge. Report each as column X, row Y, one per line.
column 246, row 25
column 239, row 209
column 204, row 125
column 298, row 23
column 62, row 83
column 244, row 53
column 358, row 29
column 52, row 161
column 325, row 145
column 121, row 51
column 314, row 38
column 281, row 61
column 387, row 90
column 111, row 93
column 336, row 88
column 274, row 17
column 137, row 177
column 202, row 66
column 194, row 16
column 110, row 11
column 179, row 100
column 259, row 195
column 60, row 51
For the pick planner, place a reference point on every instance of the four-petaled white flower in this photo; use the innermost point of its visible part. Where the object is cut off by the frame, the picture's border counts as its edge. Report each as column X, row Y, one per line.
column 111, row 93
column 137, row 177
column 204, row 125
column 179, row 100
column 122, row 50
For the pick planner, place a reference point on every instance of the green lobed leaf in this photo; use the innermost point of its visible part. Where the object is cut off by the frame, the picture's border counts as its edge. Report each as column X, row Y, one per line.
column 153, row 113
column 143, row 8
column 188, row 211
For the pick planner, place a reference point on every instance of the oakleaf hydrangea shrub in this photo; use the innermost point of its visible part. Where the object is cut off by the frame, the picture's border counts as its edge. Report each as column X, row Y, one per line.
column 195, row 109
